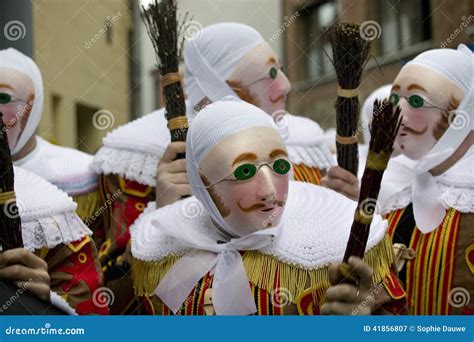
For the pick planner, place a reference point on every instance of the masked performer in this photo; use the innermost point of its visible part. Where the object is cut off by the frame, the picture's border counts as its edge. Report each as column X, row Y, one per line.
column 51, row 229
column 58, row 252
column 400, row 168
column 137, row 160
column 249, row 223
column 21, row 96
column 432, row 214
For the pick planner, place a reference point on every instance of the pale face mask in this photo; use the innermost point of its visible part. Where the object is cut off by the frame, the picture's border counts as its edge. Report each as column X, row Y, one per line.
column 247, row 176
column 424, row 96
column 259, row 73
column 16, row 99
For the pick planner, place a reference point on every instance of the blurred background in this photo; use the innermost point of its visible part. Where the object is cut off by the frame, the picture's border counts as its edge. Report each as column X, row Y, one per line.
column 96, row 55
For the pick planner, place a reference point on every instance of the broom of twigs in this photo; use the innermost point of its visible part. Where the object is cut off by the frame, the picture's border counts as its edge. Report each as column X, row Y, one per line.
column 384, row 128
column 163, row 29
column 10, row 222
column 350, row 55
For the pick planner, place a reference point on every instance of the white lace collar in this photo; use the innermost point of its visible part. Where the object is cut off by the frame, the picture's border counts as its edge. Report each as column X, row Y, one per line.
column 456, row 188
column 47, row 214
column 316, row 228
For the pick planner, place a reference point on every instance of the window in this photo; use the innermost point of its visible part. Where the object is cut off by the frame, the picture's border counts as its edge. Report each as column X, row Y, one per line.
column 316, row 19
column 404, row 24
column 108, row 33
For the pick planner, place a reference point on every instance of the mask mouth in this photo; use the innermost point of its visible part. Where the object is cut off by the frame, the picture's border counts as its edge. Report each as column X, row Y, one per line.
column 264, row 208
column 278, row 99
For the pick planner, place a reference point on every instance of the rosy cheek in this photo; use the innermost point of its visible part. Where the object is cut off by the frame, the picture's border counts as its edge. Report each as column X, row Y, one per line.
column 10, row 114
column 244, row 193
column 281, row 187
column 415, row 119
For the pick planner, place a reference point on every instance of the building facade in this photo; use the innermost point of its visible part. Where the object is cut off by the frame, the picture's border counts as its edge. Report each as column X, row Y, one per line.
column 82, row 48
column 402, row 29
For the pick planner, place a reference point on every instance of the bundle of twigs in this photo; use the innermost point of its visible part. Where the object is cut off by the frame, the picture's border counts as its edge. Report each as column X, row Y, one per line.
column 10, row 222
column 162, row 25
column 350, row 55
column 384, row 128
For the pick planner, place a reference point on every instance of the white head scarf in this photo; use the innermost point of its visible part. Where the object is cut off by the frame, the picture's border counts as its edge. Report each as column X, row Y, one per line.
column 458, row 66
column 231, row 292
column 211, row 57
column 368, row 108
column 214, row 123
column 14, row 59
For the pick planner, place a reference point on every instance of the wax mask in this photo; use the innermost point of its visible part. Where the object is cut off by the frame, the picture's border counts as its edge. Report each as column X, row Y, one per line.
column 16, row 99
column 259, row 74
column 425, row 98
column 247, row 175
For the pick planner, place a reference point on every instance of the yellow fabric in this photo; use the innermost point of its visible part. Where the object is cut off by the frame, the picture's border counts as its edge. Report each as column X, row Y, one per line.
column 261, row 270
column 87, row 205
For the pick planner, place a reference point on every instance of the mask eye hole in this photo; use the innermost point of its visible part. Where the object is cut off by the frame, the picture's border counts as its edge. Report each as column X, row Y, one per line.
column 5, row 98
column 394, row 99
column 281, row 166
column 245, row 171
column 416, row 101
column 273, row 73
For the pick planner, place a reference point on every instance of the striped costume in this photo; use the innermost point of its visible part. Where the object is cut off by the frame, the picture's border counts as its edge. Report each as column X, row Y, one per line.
column 439, row 279
column 288, row 277
column 127, row 165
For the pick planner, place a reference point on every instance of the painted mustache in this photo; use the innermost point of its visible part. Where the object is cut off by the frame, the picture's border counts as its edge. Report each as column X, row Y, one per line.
column 279, row 98
column 258, row 206
column 406, row 129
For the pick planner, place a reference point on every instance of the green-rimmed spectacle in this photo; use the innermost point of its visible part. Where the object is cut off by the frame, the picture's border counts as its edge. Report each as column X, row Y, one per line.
column 7, row 98
column 247, row 171
column 272, row 74
column 415, row 101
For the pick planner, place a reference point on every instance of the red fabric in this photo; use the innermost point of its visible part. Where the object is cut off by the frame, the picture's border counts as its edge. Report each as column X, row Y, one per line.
column 86, row 272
